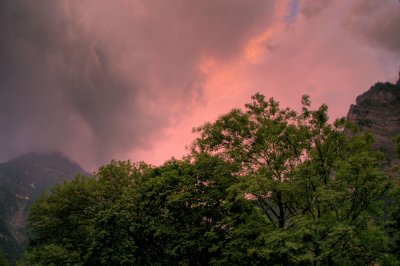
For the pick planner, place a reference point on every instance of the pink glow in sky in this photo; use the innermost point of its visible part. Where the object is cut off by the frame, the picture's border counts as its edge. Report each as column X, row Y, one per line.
column 325, row 52
column 129, row 79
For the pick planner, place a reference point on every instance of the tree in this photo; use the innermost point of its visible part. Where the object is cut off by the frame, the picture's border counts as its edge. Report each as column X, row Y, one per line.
column 60, row 224
column 317, row 188
column 177, row 215
column 262, row 186
column 114, row 240
column 66, row 225
column 3, row 259
column 393, row 217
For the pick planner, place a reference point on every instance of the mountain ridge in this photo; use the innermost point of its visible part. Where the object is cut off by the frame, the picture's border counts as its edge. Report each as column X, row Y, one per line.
column 378, row 112
column 22, row 181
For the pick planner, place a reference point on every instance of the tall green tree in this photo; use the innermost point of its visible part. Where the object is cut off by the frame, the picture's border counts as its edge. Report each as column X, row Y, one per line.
column 317, row 188
column 393, row 210
column 176, row 216
column 66, row 224
column 60, row 224
column 115, row 194
column 262, row 186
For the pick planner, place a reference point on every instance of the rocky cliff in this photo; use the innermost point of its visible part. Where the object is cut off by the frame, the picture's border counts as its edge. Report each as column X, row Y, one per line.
column 378, row 111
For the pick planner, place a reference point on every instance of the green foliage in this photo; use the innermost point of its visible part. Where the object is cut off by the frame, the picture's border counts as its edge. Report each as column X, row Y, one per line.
column 262, row 186
column 319, row 190
column 61, row 223
column 3, row 259
column 397, row 143
column 65, row 224
column 393, row 223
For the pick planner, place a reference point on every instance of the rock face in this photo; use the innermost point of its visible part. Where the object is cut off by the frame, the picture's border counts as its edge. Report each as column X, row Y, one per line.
column 22, row 181
column 378, row 111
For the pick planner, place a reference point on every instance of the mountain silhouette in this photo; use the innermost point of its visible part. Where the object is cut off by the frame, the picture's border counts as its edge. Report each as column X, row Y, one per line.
column 378, row 111
column 22, row 181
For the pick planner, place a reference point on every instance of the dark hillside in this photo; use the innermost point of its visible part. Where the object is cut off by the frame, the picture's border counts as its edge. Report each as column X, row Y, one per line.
column 378, row 111
column 22, row 181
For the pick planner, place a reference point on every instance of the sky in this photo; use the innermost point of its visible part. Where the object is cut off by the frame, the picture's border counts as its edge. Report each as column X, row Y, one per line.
column 129, row 79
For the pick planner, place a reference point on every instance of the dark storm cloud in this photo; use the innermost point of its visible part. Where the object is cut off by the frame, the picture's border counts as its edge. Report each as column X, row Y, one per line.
column 378, row 22
column 98, row 79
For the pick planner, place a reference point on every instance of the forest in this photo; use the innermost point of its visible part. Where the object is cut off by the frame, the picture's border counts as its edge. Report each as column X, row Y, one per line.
column 262, row 185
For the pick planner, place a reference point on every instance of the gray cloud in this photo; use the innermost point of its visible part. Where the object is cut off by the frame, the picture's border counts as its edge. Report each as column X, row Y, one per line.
column 312, row 8
column 378, row 22
column 98, row 79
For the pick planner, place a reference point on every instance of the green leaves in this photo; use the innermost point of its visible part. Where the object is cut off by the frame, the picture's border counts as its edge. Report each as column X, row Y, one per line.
column 299, row 170
column 262, row 186
column 60, row 223
column 69, row 225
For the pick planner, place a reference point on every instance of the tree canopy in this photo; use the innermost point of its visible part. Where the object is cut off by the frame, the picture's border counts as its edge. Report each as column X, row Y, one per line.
column 262, row 185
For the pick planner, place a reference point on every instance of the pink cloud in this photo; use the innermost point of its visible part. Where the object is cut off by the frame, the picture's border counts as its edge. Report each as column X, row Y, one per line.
column 321, row 55
column 102, row 80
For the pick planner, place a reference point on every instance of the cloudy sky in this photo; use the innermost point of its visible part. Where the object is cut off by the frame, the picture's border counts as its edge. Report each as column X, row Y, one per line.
column 129, row 79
